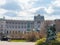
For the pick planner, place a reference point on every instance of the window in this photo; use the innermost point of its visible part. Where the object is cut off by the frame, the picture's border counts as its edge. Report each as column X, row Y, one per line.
column 16, row 32
column 18, row 26
column 9, row 26
column 42, row 17
column 24, row 26
column 38, row 22
column 19, row 23
column 1, row 30
column 7, row 32
column 19, row 31
column 38, row 26
column 28, row 25
column 1, row 26
column 34, row 17
column 12, row 22
column 10, row 32
column 15, row 26
column 9, row 22
column 13, row 32
column 12, row 26
column 28, row 29
column 15, row 22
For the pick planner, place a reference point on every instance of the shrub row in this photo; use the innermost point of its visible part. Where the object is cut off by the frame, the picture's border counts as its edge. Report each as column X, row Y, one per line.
column 42, row 42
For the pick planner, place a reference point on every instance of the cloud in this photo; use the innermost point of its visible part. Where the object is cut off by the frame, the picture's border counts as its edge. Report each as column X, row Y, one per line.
column 27, row 4
column 11, row 5
column 19, row 18
column 2, row 11
column 25, row 14
column 2, row 2
column 11, row 14
column 30, row 12
column 53, row 9
column 57, row 3
column 49, row 10
column 44, row 3
column 56, row 11
column 41, row 11
column 52, row 17
column 26, row 9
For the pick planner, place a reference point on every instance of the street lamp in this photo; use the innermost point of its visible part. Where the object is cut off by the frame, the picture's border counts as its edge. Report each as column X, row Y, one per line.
column 33, row 29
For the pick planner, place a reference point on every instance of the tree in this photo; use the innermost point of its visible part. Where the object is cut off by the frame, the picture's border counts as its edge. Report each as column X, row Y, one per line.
column 51, row 33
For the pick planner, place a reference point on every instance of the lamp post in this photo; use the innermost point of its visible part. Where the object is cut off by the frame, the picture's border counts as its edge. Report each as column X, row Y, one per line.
column 33, row 29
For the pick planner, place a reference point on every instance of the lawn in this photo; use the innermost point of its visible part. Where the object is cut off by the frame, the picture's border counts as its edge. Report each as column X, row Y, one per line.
column 18, row 41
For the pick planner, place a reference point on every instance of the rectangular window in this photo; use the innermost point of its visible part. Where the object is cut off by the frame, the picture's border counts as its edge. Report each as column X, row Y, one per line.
column 15, row 32
column 1, row 26
column 12, row 26
column 22, row 26
column 15, row 22
column 18, row 26
column 12, row 22
column 7, row 32
column 10, row 32
column 19, row 31
column 15, row 26
column 28, row 25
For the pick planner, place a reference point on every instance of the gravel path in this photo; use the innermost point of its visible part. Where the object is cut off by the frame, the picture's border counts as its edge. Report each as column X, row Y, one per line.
column 16, row 43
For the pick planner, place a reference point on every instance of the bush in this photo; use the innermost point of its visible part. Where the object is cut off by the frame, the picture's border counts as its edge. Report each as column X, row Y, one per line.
column 42, row 42
column 30, row 37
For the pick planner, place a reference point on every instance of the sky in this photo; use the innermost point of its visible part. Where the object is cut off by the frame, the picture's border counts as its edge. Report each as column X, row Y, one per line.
column 27, row 9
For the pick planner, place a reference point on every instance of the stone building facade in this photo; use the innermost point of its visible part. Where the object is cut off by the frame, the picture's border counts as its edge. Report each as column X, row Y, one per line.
column 57, row 22
column 15, row 28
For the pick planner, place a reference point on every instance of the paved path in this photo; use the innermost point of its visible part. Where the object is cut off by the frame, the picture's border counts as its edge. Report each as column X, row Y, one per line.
column 16, row 43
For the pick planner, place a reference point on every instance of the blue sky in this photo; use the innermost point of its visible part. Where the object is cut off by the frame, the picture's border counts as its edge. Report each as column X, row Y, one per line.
column 27, row 9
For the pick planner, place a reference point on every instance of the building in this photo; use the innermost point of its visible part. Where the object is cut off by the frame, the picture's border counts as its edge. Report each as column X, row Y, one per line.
column 57, row 22
column 46, row 23
column 14, row 27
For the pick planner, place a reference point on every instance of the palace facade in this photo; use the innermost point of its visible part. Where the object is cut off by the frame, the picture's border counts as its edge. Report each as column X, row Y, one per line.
column 9, row 27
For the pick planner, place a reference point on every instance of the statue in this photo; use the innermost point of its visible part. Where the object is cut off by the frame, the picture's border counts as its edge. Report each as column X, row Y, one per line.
column 51, row 33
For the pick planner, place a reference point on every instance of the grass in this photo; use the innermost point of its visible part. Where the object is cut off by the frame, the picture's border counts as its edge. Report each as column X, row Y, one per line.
column 55, row 42
column 58, row 39
column 18, row 41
